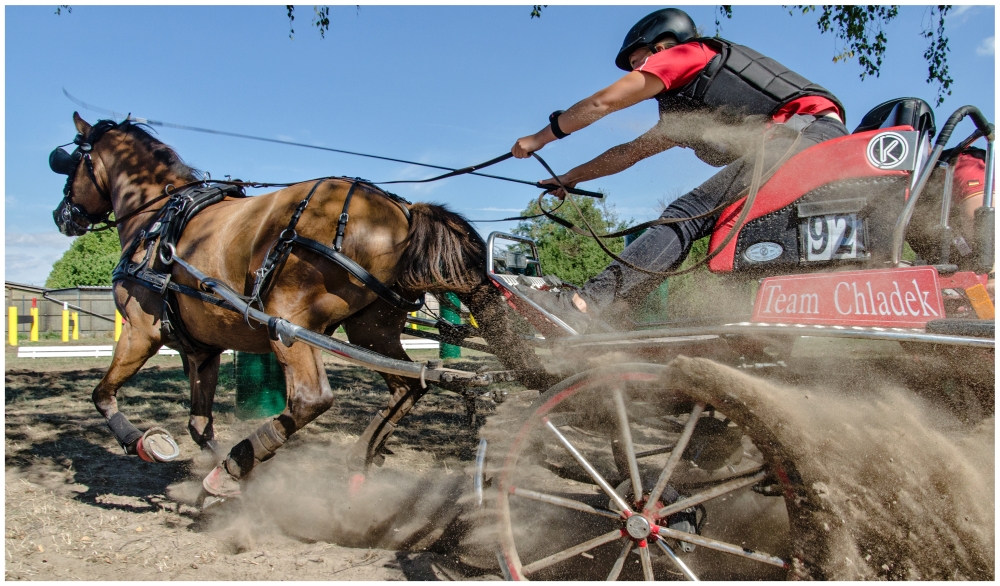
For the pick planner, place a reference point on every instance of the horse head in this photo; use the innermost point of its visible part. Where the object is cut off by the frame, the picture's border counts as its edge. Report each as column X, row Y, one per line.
column 115, row 168
column 85, row 201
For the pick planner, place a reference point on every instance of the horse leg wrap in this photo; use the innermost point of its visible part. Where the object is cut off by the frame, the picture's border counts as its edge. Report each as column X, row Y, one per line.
column 126, row 433
column 258, row 447
column 364, row 454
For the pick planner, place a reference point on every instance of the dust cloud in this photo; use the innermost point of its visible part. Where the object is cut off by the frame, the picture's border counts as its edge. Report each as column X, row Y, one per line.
column 895, row 487
column 304, row 495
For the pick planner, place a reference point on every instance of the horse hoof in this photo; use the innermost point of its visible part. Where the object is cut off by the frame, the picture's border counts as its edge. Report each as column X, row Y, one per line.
column 220, row 483
column 355, row 483
column 156, row 445
column 211, row 504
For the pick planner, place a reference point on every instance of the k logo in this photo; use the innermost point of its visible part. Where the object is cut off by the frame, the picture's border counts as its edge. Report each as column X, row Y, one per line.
column 888, row 150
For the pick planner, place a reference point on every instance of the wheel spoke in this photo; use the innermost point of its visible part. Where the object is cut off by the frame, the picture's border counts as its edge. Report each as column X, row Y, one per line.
column 647, row 564
column 563, row 502
column 677, row 561
column 722, row 546
column 626, row 435
column 616, row 569
column 675, row 457
column 711, row 493
column 573, row 551
column 588, row 467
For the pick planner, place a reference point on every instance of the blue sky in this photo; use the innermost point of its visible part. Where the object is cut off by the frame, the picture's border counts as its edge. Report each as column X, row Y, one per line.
column 445, row 85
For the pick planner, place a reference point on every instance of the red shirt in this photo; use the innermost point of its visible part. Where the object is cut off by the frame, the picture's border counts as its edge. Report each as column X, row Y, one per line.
column 970, row 172
column 678, row 66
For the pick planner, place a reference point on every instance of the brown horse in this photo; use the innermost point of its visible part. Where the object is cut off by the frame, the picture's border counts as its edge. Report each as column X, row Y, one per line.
column 415, row 248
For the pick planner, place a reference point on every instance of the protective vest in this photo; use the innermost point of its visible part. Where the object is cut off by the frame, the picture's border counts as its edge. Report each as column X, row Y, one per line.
column 739, row 85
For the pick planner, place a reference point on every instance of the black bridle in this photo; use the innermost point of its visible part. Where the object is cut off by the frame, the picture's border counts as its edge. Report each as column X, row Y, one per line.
column 69, row 164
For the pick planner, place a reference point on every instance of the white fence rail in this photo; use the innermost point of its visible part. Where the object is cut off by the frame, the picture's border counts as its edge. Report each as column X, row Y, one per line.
column 106, row 351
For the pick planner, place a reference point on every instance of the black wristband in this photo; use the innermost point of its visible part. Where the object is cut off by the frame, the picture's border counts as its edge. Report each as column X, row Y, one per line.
column 554, row 124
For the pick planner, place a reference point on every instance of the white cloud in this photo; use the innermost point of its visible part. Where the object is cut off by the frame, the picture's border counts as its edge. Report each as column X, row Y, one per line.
column 960, row 10
column 29, row 257
column 987, row 47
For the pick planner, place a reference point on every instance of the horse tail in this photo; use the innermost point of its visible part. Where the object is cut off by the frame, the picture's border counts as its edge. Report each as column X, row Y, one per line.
column 444, row 252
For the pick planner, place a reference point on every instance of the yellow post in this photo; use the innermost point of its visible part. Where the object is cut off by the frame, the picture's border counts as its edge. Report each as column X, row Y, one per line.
column 413, row 326
column 12, row 325
column 34, row 320
column 118, row 325
column 65, row 323
column 76, row 325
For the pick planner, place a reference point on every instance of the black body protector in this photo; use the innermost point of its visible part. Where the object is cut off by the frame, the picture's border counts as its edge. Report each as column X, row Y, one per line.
column 738, row 87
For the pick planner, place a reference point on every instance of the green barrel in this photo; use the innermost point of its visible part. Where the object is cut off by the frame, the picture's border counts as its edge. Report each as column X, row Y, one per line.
column 260, row 385
column 451, row 316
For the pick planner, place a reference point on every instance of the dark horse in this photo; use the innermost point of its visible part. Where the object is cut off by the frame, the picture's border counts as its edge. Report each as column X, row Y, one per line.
column 414, row 248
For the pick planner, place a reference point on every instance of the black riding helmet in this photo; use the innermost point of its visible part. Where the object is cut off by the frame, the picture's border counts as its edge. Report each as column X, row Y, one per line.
column 651, row 28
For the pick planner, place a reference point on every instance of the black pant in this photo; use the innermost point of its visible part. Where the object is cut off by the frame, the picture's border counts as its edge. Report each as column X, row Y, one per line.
column 664, row 248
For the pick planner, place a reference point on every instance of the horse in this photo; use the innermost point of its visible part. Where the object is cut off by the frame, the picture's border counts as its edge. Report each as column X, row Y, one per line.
column 411, row 248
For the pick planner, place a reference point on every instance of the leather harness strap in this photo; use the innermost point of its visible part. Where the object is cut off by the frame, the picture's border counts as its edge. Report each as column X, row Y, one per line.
column 279, row 251
column 361, row 274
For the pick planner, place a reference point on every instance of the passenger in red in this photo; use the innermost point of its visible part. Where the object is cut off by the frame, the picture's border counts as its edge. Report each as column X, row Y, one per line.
column 722, row 100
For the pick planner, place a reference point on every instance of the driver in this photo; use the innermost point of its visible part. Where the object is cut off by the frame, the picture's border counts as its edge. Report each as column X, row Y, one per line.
column 718, row 98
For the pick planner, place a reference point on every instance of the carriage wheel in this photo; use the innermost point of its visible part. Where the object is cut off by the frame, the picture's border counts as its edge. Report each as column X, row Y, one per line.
column 707, row 504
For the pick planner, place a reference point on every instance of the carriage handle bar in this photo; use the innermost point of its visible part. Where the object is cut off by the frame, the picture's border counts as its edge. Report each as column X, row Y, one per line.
column 984, row 219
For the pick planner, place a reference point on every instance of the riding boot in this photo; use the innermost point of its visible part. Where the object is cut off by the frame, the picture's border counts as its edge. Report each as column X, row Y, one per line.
column 363, row 454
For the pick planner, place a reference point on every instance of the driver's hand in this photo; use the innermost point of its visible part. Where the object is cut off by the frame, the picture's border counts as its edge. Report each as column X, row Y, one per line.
column 526, row 145
column 558, row 192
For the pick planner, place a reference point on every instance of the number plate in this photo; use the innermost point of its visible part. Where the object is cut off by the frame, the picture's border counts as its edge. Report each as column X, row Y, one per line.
column 833, row 237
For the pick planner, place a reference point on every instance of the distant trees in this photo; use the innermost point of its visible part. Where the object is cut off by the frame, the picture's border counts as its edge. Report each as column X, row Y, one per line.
column 89, row 261
column 572, row 257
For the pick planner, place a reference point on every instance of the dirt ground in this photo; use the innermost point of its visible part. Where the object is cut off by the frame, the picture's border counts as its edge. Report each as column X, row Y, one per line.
column 78, row 508
column 901, row 462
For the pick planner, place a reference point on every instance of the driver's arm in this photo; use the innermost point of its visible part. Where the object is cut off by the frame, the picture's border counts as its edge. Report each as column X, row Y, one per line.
column 617, row 159
column 631, row 89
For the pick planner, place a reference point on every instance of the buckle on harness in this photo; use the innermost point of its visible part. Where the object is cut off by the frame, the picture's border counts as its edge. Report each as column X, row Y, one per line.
column 344, row 217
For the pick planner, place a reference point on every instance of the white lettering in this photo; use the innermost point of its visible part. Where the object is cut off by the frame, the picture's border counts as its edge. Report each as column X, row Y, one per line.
column 791, row 304
column 836, row 298
column 872, row 297
column 883, row 306
column 780, row 299
column 922, row 296
column 892, row 301
column 810, row 303
column 859, row 308
column 770, row 296
column 910, row 298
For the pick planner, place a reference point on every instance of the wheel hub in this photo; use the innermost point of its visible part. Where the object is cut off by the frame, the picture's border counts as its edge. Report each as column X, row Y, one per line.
column 638, row 527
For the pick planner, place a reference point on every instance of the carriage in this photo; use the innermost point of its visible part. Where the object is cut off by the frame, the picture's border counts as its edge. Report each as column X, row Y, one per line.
column 650, row 463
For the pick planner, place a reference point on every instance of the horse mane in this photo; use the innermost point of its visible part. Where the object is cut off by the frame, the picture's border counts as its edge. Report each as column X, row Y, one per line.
column 161, row 151
column 444, row 252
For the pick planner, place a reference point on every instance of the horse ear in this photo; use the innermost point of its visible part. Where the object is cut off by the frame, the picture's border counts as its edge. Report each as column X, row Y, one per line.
column 81, row 125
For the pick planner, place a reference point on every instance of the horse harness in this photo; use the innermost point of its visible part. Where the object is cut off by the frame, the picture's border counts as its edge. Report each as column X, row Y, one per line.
column 165, row 230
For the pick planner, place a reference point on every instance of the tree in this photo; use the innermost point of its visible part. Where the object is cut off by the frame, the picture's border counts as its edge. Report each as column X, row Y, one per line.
column 861, row 30
column 572, row 257
column 89, row 261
